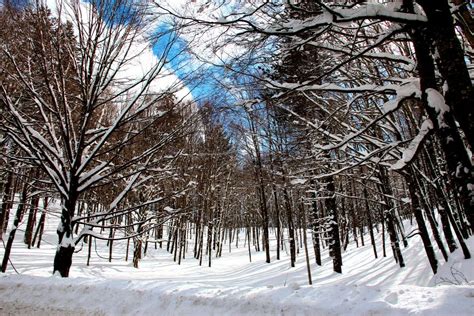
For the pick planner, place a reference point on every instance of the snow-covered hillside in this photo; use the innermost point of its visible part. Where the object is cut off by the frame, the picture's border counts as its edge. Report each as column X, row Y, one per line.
column 234, row 286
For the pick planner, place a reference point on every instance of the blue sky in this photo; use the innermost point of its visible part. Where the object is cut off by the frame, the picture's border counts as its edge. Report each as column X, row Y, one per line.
column 182, row 63
column 180, row 60
column 203, row 86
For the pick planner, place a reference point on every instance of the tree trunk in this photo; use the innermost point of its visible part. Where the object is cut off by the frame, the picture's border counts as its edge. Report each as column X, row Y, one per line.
column 201, row 242
column 431, row 220
column 42, row 220
column 369, row 223
column 315, row 227
column 448, row 234
column 248, row 241
column 459, row 166
column 277, row 217
column 291, row 227
column 331, row 211
column 416, row 208
column 264, row 210
column 451, row 64
column 261, row 189
column 386, row 190
column 137, row 252
column 30, row 224
column 65, row 250
column 89, row 250
column 457, row 231
column 382, row 219
column 305, row 242
column 210, row 231
column 16, row 222
column 7, row 193
column 111, row 242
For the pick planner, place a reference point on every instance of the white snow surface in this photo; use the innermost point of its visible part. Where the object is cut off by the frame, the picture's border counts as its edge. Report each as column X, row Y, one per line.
column 233, row 285
column 437, row 102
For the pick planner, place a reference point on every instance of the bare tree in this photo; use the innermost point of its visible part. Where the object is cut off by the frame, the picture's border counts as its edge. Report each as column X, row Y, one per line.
column 80, row 107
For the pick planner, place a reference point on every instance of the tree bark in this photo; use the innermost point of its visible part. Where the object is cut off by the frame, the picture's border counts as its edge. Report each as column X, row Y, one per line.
column 30, row 224
column 389, row 216
column 7, row 193
column 315, row 226
column 305, row 242
column 451, row 64
column 65, row 250
column 291, row 227
column 333, row 224
column 16, row 222
column 459, row 98
column 416, row 208
column 137, row 252
column 40, row 227
column 369, row 223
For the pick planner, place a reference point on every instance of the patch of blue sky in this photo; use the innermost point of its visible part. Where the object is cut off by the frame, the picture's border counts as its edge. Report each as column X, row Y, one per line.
column 200, row 78
column 15, row 3
column 117, row 11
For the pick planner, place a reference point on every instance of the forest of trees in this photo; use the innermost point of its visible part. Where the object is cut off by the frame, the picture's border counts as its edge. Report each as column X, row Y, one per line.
column 342, row 118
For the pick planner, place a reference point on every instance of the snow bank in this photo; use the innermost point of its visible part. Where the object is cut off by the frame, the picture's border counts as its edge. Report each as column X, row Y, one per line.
column 122, row 297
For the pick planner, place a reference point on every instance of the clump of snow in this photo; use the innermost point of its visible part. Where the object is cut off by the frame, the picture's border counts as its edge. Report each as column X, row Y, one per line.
column 297, row 181
column 67, row 241
column 437, row 102
column 168, row 209
column 410, row 87
column 409, row 153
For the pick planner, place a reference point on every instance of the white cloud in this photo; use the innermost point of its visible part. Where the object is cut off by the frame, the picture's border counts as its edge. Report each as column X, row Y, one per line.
column 142, row 58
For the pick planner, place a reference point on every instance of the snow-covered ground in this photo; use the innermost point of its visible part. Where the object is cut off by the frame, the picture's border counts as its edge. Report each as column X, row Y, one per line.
column 234, row 286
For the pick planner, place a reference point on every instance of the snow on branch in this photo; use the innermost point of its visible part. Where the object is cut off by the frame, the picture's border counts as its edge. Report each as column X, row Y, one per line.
column 409, row 88
column 410, row 152
column 437, row 102
column 260, row 19
column 388, row 12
